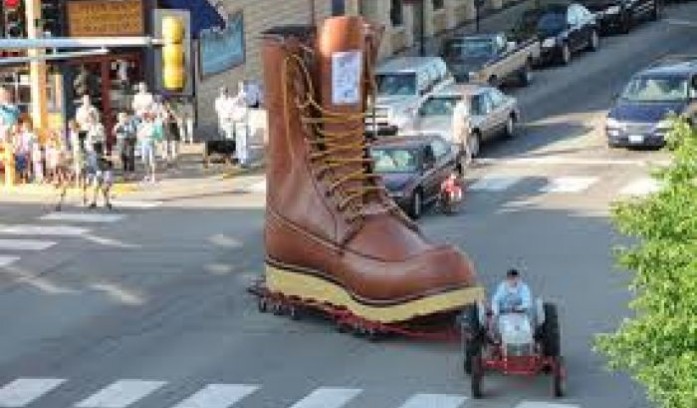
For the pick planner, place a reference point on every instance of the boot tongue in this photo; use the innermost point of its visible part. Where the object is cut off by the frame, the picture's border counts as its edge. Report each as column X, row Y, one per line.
column 341, row 60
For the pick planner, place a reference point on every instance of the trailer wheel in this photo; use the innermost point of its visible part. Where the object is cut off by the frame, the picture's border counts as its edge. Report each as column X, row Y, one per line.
column 551, row 334
column 472, row 336
column 558, row 378
column 477, row 376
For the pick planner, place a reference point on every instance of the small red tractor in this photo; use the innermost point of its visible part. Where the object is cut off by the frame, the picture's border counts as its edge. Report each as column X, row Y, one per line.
column 514, row 343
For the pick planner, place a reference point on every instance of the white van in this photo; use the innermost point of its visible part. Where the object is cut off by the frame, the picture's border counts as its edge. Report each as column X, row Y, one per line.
column 403, row 84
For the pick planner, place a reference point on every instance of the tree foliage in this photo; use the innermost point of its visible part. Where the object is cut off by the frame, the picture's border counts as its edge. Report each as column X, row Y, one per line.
column 658, row 345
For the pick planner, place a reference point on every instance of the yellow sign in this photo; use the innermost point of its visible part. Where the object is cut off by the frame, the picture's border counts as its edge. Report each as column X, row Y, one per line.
column 95, row 18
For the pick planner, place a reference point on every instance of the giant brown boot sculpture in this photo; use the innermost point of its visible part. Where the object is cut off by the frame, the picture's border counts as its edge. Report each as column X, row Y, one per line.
column 332, row 233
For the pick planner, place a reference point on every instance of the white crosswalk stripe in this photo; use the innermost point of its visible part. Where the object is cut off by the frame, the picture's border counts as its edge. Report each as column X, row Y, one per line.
column 96, row 218
column 528, row 404
column 640, row 187
column 135, row 204
column 23, row 391
column 327, row 398
column 494, row 183
column 43, row 230
column 7, row 260
column 25, row 244
column 434, row 401
column 121, row 394
column 568, row 184
column 217, row 396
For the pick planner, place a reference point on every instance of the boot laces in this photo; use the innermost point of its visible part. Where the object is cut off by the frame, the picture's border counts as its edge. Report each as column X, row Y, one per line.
column 358, row 190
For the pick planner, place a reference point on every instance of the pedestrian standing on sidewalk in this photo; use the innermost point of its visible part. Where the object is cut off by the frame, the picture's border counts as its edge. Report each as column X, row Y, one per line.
column 224, row 108
column 37, row 160
column 96, row 136
column 240, row 116
column 23, row 149
column 124, row 131
column 77, row 148
column 171, row 134
column 99, row 176
column 186, row 121
column 146, row 137
column 9, row 115
column 85, row 116
column 53, row 151
column 143, row 101
column 160, row 121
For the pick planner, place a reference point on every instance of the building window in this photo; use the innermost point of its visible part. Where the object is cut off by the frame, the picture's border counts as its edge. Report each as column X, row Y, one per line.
column 438, row 4
column 338, row 7
column 396, row 13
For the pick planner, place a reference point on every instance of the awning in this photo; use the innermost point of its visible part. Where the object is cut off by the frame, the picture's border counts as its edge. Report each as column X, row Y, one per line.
column 203, row 14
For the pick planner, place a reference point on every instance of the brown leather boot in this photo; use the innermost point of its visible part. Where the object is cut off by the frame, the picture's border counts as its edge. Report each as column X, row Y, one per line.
column 332, row 233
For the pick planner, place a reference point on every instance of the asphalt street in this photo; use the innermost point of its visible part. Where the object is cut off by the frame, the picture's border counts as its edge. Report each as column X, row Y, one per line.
column 145, row 307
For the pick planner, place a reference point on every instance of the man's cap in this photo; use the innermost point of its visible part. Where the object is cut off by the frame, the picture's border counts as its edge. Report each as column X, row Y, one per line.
column 512, row 273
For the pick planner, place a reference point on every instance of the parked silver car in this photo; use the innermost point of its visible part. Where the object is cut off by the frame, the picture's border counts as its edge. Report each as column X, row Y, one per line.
column 492, row 113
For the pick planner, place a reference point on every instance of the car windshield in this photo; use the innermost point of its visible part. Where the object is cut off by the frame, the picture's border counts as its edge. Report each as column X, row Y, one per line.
column 439, row 106
column 656, row 89
column 396, row 84
column 470, row 48
column 548, row 22
column 394, row 160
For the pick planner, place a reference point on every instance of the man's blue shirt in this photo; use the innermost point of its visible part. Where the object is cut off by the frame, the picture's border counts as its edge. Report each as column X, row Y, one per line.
column 507, row 297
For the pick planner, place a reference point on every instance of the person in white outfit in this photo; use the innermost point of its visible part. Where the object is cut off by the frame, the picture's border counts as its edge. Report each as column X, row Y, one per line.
column 224, row 109
column 461, row 128
column 240, row 117
column 143, row 101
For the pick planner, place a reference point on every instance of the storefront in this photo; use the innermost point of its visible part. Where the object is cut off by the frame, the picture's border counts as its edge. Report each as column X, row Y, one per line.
column 109, row 79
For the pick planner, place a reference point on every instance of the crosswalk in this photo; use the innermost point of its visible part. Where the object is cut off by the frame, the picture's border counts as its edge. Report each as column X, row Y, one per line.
column 125, row 393
column 554, row 185
column 21, row 240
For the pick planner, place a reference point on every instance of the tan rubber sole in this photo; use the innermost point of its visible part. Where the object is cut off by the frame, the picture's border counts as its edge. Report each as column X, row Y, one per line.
column 306, row 286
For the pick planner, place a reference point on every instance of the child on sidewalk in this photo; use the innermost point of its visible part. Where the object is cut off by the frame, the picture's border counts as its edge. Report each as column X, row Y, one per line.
column 100, row 177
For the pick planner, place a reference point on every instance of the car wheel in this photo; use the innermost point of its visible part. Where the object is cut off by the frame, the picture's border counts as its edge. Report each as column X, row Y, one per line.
column 475, row 143
column 526, row 74
column 594, row 41
column 565, row 54
column 510, row 128
column 416, row 205
column 494, row 81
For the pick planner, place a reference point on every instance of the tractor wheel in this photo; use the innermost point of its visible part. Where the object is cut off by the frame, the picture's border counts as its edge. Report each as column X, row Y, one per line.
column 551, row 334
column 477, row 376
column 472, row 336
column 558, row 378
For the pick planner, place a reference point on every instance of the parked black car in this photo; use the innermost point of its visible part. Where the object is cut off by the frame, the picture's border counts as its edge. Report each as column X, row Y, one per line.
column 639, row 115
column 563, row 29
column 621, row 15
column 413, row 168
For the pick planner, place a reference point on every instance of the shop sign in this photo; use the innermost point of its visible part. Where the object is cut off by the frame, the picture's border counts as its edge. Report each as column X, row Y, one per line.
column 222, row 49
column 95, row 18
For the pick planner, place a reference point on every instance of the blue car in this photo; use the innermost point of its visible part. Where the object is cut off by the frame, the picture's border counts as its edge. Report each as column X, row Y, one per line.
column 640, row 112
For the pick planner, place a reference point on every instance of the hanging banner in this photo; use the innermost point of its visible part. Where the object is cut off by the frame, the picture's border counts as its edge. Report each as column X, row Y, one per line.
column 222, row 49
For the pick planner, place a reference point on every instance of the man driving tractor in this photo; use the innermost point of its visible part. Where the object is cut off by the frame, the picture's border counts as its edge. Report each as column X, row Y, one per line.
column 512, row 295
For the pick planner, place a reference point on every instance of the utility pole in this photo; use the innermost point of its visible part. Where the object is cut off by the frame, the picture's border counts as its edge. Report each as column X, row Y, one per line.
column 37, row 68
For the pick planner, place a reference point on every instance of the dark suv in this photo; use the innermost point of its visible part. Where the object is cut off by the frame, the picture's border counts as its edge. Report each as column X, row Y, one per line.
column 639, row 115
column 621, row 15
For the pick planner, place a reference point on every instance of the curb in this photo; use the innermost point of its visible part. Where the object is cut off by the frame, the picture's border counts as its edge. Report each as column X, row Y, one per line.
column 46, row 189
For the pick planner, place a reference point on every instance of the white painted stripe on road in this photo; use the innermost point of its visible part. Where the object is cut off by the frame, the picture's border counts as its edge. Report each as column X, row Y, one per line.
column 83, row 217
column 217, row 396
column 25, row 244
column 43, row 230
column 568, row 184
column 640, row 187
column 6, row 260
column 135, row 204
column 493, row 183
column 121, row 394
column 23, row 391
column 434, row 401
column 528, row 404
column 258, row 187
column 560, row 159
column 327, row 398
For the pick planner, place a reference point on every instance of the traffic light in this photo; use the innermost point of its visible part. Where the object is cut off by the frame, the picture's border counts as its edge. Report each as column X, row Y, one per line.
column 14, row 20
column 173, row 54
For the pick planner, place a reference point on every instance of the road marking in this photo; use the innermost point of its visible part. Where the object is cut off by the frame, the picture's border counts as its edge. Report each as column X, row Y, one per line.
column 136, row 205
column 121, row 394
column 493, row 183
column 640, row 187
column 581, row 161
column 434, row 401
column 327, row 398
column 43, row 230
column 23, row 391
column 568, row 184
column 83, row 217
column 258, row 187
column 7, row 260
column 25, row 244
column 527, row 404
column 217, row 396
